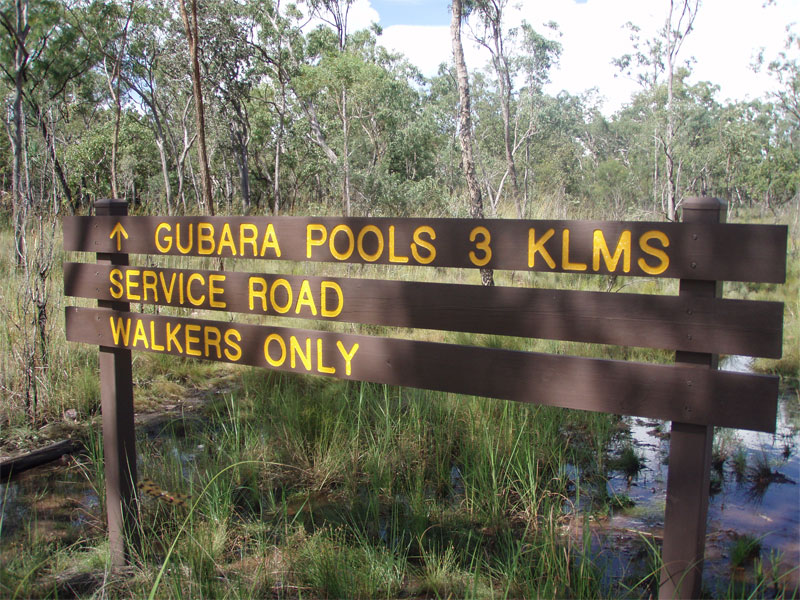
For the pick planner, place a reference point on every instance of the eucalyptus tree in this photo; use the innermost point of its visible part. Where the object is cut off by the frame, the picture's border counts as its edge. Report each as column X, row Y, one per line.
column 650, row 60
column 680, row 22
column 111, row 38
column 465, row 123
column 192, row 30
column 785, row 69
column 491, row 35
column 160, row 88
column 228, row 68
column 42, row 52
column 645, row 65
column 15, row 21
column 278, row 44
column 333, row 49
column 538, row 55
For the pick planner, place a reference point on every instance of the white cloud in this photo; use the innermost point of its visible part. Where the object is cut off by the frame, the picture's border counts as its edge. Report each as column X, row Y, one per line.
column 362, row 15
column 426, row 46
column 726, row 38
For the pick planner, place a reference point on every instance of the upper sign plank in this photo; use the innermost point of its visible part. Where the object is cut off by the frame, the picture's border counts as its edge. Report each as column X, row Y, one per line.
column 722, row 252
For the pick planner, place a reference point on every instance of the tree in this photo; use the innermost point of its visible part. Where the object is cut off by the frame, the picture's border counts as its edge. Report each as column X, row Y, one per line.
column 465, row 125
column 493, row 38
column 278, row 36
column 675, row 32
column 192, row 37
column 335, row 13
column 18, row 29
column 114, row 51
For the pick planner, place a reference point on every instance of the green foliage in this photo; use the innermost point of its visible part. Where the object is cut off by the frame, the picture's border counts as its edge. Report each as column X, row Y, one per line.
column 745, row 549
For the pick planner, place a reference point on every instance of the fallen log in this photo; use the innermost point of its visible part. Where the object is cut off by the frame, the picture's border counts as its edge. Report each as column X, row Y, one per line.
column 37, row 458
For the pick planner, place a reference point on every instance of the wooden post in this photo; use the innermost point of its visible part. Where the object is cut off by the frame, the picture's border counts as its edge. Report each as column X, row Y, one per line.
column 689, row 471
column 119, row 439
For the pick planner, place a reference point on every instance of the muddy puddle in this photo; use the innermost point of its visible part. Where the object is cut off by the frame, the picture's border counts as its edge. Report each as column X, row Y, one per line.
column 49, row 504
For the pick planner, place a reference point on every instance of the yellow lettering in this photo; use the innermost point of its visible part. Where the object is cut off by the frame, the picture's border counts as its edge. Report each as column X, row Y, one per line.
column 378, row 235
column 565, row 264
column 167, row 290
column 321, row 368
column 172, row 337
column 324, row 310
column 214, row 291
column 140, row 335
column 392, row 257
column 164, row 244
column 248, row 233
column 418, row 241
column 205, row 238
column 305, row 298
column 659, row 254
column 270, row 241
column 131, row 284
column 281, row 344
column 225, row 240
column 534, row 247
column 115, row 277
column 234, row 351
column 311, row 241
column 121, row 330
column 192, row 339
column 212, row 337
column 484, row 246
column 253, row 293
column 149, row 282
column 623, row 250
column 153, row 345
column 295, row 350
column 350, row 239
column 348, row 356
column 196, row 301
column 183, row 249
column 285, row 285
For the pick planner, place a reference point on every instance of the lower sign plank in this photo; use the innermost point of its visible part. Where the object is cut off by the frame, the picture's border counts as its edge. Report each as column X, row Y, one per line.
column 672, row 393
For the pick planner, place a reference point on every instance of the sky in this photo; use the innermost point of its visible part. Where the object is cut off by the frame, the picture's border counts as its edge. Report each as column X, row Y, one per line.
column 727, row 37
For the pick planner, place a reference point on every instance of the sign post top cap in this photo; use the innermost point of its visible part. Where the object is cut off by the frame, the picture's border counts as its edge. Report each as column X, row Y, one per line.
column 110, row 202
column 703, row 203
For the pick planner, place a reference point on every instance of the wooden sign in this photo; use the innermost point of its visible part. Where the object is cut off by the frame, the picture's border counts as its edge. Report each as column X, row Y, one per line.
column 706, row 397
column 670, row 322
column 697, row 323
column 708, row 252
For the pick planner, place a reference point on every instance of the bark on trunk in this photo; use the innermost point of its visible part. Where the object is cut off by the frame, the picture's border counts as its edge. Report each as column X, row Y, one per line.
column 19, row 195
column 191, row 36
column 465, row 127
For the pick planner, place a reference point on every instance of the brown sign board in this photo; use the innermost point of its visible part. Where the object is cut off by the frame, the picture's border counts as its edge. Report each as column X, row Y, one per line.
column 712, row 325
column 705, row 251
column 672, row 393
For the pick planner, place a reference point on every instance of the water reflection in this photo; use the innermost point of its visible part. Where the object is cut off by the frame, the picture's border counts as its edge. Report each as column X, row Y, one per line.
column 754, row 487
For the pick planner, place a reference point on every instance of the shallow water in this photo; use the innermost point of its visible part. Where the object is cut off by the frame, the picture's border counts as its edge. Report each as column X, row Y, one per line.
column 54, row 502
column 741, row 503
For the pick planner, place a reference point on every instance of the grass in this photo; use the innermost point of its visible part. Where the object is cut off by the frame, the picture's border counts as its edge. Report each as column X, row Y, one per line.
column 345, row 490
column 744, row 550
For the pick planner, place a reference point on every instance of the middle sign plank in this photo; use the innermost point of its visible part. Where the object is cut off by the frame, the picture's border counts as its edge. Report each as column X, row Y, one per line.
column 671, row 393
column 668, row 322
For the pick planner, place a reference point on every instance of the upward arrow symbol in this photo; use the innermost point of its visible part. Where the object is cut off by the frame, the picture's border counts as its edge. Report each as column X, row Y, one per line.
column 118, row 231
